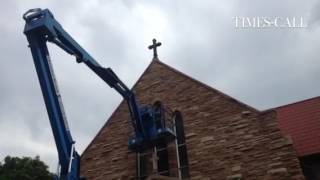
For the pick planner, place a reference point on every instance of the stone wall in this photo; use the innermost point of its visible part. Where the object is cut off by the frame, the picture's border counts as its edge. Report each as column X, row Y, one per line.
column 226, row 139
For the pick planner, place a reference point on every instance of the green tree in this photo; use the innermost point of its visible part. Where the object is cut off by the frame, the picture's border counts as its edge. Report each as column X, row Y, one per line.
column 25, row 168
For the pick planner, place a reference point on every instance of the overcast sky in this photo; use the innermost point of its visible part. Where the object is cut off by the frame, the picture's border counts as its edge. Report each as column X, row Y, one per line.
column 264, row 68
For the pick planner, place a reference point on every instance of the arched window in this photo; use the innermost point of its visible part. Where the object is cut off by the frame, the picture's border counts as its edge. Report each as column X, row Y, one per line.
column 155, row 160
column 182, row 156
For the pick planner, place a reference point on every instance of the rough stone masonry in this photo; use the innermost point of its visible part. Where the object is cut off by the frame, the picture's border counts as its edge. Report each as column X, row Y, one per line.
column 225, row 138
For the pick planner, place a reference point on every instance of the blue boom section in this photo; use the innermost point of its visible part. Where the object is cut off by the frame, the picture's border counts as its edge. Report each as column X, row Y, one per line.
column 41, row 23
column 40, row 28
column 52, row 98
column 68, row 158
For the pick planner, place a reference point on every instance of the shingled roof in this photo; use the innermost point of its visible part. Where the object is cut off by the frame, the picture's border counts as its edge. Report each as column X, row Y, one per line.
column 301, row 120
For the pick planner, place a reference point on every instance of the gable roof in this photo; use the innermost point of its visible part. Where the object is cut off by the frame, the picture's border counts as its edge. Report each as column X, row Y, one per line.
column 158, row 62
column 301, row 120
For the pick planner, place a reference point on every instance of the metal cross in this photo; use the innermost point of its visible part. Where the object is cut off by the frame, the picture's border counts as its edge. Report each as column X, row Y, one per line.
column 154, row 46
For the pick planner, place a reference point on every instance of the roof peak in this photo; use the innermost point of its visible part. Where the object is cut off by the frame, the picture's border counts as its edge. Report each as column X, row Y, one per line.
column 157, row 61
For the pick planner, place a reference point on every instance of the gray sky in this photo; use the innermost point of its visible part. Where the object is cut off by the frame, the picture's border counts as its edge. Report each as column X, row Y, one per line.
column 261, row 67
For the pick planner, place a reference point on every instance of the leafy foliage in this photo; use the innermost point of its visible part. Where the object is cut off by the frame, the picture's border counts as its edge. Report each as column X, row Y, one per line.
column 25, row 168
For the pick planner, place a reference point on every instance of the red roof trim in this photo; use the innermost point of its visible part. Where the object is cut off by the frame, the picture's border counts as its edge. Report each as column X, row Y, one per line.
column 297, row 102
column 300, row 121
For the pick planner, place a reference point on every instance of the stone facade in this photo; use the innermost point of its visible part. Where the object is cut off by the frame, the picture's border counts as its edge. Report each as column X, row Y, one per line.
column 225, row 138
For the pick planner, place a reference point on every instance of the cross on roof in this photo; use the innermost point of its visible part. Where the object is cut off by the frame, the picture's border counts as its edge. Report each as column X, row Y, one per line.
column 154, row 46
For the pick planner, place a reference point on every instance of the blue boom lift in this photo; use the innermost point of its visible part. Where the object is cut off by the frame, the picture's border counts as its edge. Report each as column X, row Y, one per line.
column 148, row 121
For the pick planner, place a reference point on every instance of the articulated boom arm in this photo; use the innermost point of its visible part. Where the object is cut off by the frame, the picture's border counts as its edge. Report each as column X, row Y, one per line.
column 148, row 121
column 40, row 28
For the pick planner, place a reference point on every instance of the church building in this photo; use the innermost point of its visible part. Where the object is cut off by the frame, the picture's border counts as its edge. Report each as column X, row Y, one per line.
column 218, row 137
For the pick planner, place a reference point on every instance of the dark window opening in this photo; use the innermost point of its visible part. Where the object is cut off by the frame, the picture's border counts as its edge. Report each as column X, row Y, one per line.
column 144, row 165
column 161, row 147
column 163, row 159
column 311, row 167
column 183, row 164
column 155, row 161
column 159, row 115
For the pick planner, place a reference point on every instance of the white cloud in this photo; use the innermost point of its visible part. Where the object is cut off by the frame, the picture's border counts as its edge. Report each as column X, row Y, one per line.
column 17, row 140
